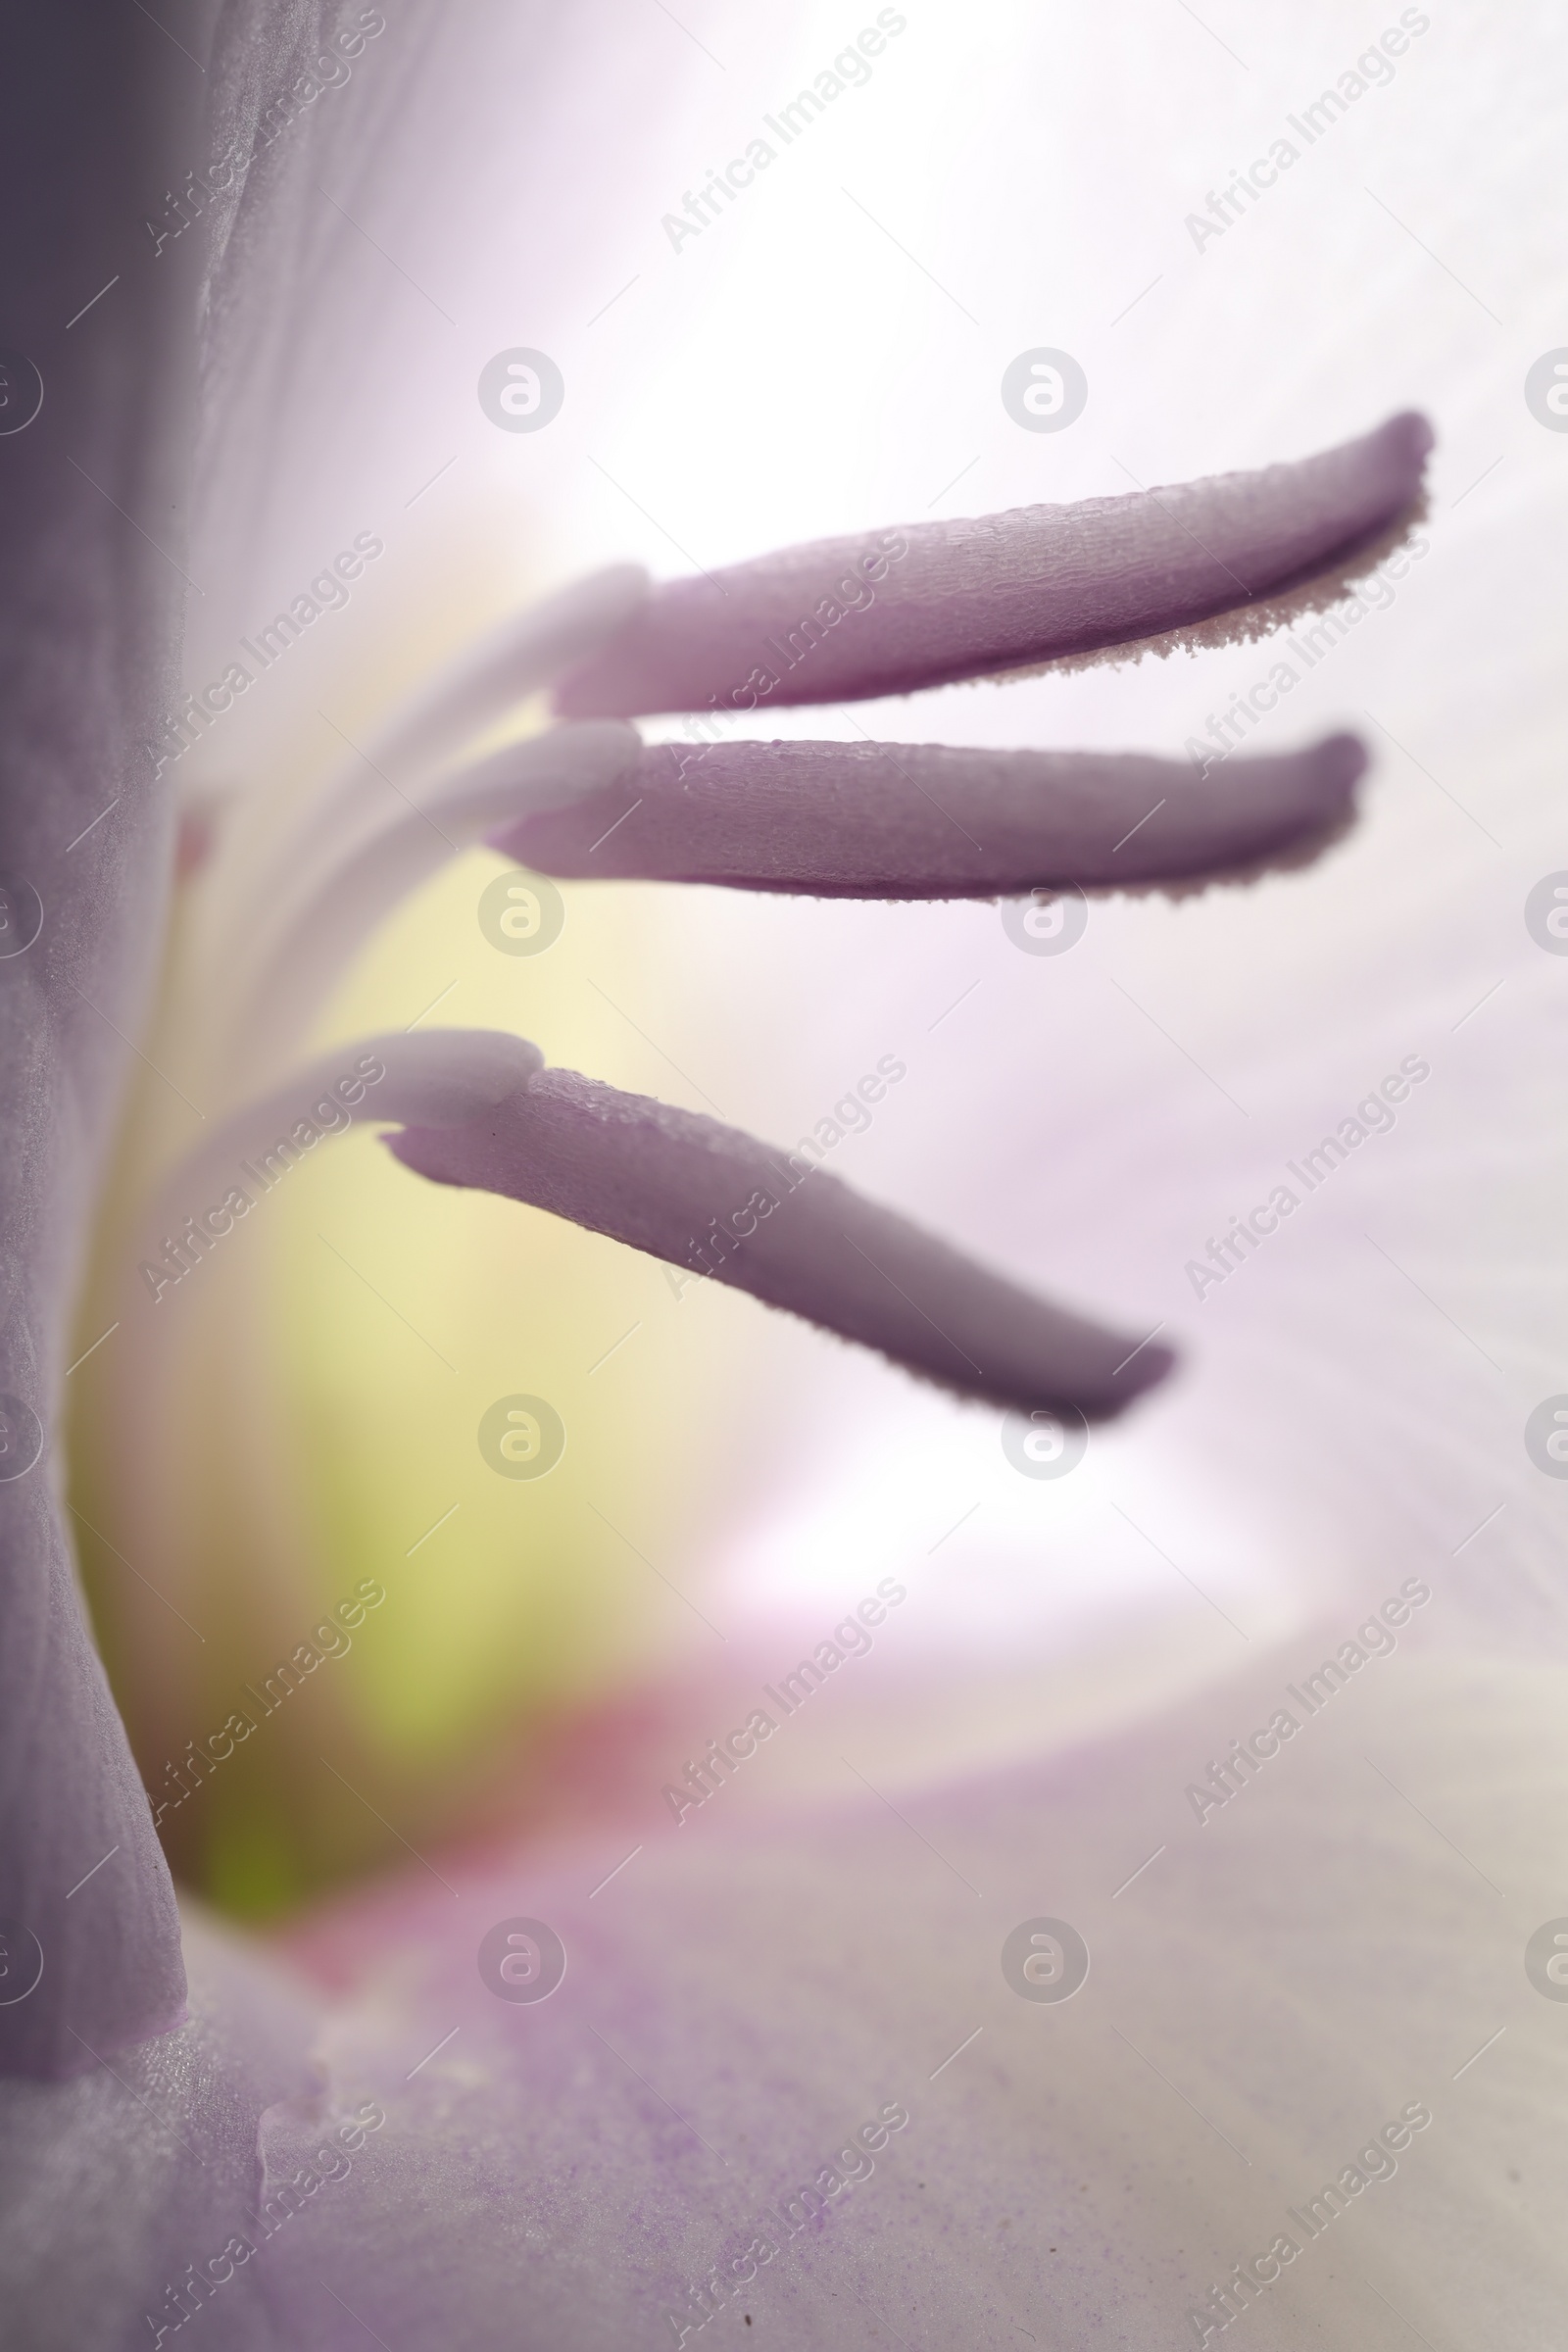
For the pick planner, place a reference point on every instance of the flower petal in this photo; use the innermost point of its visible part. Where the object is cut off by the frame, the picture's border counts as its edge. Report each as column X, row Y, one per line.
column 1276, row 2000
column 88, row 612
column 114, row 2187
column 1281, row 1984
column 710, row 1200
column 872, row 820
column 886, row 612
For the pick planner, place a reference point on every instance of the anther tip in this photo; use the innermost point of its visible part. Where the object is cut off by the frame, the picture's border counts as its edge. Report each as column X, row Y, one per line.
column 1142, row 1372
column 1413, row 433
column 1343, row 761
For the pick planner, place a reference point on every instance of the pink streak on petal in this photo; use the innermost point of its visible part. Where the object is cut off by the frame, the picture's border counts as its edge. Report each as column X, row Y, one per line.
column 764, row 1976
column 659, row 1178
column 921, row 821
column 998, row 593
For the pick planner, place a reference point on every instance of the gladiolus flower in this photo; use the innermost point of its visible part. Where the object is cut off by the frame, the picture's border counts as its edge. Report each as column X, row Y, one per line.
column 1074, row 2040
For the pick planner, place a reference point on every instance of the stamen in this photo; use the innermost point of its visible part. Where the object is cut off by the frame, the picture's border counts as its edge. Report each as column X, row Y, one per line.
column 923, row 822
column 334, row 901
column 208, row 1205
column 438, row 1078
column 892, row 611
column 530, row 649
column 711, row 1200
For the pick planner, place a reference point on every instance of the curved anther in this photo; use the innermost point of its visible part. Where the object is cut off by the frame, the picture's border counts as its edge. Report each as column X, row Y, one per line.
column 899, row 820
column 888, row 611
column 712, row 1200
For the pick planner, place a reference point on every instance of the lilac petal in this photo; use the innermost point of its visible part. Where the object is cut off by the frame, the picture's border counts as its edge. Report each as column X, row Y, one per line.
column 112, row 2188
column 752, row 1989
column 89, row 608
column 920, row 821
column 891, row 611
column 710, row 1200
column 761, row 1981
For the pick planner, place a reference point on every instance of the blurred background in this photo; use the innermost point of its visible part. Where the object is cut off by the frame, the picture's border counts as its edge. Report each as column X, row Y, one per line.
column 826, row 356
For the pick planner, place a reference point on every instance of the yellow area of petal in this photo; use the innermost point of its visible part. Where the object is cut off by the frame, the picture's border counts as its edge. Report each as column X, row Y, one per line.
column 338, row 1351
column 326, row 1446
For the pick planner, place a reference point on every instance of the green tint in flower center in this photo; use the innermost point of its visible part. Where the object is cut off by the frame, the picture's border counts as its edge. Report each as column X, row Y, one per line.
column 338, row 1353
